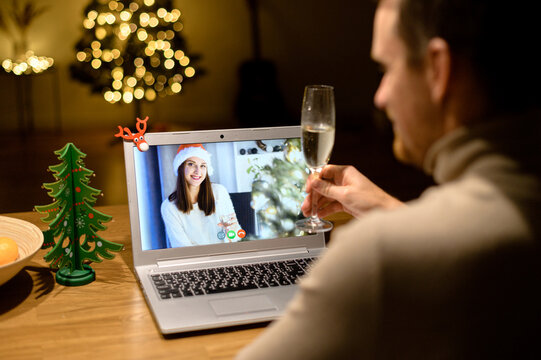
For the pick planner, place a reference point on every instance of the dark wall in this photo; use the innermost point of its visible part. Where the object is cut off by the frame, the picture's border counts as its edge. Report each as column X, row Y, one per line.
column 308, row 41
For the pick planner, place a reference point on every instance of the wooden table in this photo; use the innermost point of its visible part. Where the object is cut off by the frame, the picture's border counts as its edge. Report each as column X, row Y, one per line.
column 107, row 319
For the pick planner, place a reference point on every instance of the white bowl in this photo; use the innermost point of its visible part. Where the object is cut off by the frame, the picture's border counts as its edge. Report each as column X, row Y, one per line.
column 29, row 239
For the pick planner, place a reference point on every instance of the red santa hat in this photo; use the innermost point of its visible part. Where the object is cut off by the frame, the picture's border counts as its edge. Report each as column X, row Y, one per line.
column 191, row 150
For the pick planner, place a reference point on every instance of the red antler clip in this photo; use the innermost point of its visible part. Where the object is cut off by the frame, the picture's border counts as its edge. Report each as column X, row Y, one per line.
column 138, row 138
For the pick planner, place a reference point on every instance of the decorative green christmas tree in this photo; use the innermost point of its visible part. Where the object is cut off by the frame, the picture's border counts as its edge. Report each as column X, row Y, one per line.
column 73, row 220
column 278, row 191
column 133, row 50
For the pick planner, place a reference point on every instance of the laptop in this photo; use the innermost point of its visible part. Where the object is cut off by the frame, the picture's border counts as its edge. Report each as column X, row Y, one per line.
column 237, row 275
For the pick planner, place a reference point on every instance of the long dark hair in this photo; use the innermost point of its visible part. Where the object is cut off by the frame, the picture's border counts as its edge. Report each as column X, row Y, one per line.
column 205, row 198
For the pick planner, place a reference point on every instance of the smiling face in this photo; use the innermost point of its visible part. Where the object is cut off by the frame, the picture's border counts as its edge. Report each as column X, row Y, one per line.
column 195, row 171
column 404, row 90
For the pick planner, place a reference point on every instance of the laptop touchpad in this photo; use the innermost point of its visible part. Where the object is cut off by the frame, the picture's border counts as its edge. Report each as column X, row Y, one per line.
column 241, row 305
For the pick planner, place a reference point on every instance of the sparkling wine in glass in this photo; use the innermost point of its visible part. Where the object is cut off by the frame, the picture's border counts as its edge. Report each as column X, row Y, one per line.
column 318, row 127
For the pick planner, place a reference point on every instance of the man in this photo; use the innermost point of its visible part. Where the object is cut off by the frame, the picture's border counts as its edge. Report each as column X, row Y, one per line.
column 455, row 273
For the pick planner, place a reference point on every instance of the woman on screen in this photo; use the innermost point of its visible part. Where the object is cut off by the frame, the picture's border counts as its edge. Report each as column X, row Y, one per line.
column 198, row 212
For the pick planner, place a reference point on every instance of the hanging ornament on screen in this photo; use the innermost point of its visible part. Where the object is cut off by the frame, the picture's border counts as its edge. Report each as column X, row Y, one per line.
column 133, row 50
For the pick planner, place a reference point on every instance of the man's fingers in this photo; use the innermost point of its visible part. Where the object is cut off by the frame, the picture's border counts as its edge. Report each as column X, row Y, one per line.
column 306, row 206
column 328, row 171
column 324, row 207
column 327, row 189
column 329, row 209
column 308, row 185
column 332, row 172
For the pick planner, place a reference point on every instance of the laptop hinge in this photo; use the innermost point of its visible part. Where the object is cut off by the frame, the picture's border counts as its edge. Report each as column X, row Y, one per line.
column 251, row 255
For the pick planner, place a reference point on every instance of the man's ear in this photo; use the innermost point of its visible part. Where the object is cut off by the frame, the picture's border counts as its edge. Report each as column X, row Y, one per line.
column 438, row 68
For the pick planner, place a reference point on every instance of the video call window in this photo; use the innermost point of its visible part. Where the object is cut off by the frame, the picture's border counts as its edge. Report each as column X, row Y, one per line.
column 264, row 181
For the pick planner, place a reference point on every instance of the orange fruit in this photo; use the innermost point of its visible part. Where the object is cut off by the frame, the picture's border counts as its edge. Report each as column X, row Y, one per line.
column 8, row 250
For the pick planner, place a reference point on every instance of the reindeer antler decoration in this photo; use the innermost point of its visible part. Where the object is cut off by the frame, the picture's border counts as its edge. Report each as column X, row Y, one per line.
column 138, row 138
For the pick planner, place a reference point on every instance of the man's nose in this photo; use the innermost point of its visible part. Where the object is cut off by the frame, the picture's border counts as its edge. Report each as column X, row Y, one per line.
column 379, row 96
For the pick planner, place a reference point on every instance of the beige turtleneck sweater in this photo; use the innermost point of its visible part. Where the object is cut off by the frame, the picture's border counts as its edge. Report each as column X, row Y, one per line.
column 455, row 274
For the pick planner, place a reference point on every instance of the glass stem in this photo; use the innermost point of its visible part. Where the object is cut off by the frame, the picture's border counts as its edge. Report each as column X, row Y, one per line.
column 313, row 217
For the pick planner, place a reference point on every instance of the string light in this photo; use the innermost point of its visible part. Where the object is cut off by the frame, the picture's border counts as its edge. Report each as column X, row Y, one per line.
column 81, row 56
column 169, row 53
column 169, row 64
column 150, row 95
column 92, row 15
column 139, row 93
column 162, row 12
column 96, row 63
column 28, row 64
column 125, row 15
column 137, row 45
column 113, row 5
column 176, row 87
column 189, row 71
column 127, row 97
column 184, row 61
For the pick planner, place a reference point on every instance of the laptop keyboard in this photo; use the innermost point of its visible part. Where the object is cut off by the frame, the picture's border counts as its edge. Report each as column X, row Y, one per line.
column 229, row 278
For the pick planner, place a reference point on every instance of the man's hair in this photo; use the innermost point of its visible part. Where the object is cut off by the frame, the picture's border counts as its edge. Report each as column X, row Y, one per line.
column 205, row 198
column 497, row 38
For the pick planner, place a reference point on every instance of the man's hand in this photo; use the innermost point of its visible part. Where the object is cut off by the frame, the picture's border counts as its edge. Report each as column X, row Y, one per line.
column 343, row 188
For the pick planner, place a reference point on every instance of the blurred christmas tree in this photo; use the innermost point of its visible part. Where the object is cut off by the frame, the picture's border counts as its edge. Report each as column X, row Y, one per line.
column 132, row 50
column 278, row 191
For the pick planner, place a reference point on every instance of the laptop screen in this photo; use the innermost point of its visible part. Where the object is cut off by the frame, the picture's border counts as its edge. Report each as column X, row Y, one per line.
column 191, row 194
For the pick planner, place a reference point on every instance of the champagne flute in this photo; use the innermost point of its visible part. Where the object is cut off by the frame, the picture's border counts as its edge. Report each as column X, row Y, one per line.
column 318, row 127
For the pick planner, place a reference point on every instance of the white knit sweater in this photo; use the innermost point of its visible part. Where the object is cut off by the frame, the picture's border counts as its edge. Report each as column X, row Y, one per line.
column 195, row 228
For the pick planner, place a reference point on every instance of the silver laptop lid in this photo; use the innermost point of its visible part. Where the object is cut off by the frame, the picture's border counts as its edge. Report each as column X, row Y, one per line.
column 262, row 170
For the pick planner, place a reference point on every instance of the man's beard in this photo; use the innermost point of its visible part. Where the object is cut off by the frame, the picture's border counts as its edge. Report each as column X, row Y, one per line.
column 400, row 152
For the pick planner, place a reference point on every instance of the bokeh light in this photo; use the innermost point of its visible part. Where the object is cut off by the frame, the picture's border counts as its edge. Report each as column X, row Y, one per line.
column 133, row 48
column 28, row 64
